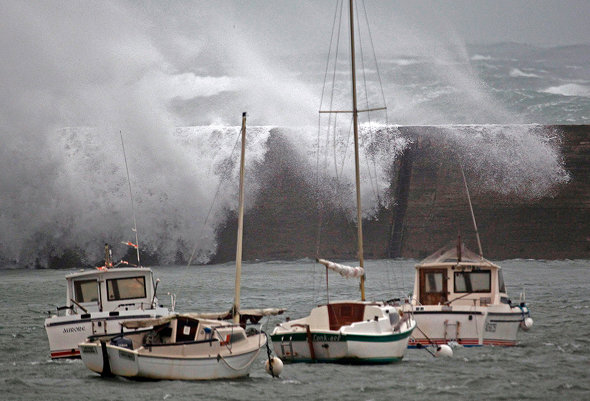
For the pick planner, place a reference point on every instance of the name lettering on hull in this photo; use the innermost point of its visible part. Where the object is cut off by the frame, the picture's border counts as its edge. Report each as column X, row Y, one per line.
column 326, row 337
column 77, row 329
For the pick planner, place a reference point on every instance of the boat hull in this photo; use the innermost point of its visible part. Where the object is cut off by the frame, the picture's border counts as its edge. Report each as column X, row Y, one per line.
column 467, row 326
column 342, row 348
column 64, row 333
column 214, row 361
column 347, row 332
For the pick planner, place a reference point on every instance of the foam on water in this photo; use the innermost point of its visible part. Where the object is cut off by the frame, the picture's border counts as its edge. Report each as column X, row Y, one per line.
column 569, row 90
column 517, row 73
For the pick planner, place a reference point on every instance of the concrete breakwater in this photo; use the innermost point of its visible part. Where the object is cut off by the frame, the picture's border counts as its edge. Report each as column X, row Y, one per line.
column 427, row 207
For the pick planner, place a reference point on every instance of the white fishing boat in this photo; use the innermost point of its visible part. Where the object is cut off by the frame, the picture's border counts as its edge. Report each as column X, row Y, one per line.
column 187, row 346
column 97, row 302
column 460, row 298
column 347, row 331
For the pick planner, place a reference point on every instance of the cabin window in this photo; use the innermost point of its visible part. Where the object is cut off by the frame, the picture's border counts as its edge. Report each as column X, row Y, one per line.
column 126, row 288
column 86, row 290
column 433, row 282
column 475, row 281
column 433, row 286
column 501, row 282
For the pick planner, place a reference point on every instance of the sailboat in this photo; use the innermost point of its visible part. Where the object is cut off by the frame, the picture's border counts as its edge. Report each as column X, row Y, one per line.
column 190, row 346
column 460, row 298
column 347, row 331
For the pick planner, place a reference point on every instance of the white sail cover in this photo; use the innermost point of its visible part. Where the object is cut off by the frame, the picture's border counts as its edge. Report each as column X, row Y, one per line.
column 343, row 270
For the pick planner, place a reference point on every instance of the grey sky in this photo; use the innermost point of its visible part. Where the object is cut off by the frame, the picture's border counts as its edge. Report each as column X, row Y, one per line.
column 125, row 62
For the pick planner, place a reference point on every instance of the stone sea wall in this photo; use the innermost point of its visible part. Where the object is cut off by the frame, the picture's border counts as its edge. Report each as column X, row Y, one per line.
column 429, row 209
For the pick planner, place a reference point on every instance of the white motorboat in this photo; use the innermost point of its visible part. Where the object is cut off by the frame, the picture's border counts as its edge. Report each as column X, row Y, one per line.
column 347, row 331
column 97, row 302
column 460, row 298
column 188, row 346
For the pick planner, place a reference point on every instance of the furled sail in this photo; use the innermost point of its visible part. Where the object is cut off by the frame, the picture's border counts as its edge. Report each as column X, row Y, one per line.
column 343, row 270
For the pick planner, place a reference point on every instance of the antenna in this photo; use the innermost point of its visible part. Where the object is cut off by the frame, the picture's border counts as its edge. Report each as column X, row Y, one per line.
column 472, row 214
column 131, row 197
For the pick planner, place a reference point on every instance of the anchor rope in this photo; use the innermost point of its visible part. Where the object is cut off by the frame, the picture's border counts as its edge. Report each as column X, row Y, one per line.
column 246, row 365
column 268, row 355
column 428, row 338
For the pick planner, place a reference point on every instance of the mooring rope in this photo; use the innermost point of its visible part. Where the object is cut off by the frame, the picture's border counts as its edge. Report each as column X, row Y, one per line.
column 268, row 355
column 220, row 357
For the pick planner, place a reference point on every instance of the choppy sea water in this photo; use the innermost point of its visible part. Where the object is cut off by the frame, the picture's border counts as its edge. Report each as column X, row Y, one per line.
column 551, row 361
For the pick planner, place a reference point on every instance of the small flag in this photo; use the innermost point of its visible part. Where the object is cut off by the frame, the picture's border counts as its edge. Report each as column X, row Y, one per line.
column 129, row 243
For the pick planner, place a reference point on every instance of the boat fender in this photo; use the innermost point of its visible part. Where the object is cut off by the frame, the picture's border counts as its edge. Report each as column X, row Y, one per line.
column 527, row 323
column 274, row 366
column 443, row 350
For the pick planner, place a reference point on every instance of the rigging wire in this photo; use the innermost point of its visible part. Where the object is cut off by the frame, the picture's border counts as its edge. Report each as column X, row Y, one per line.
column 213, row 202
column 319, row 204
column 374, row 184
column 337, row 52
column 131, row 197
column 376, row 63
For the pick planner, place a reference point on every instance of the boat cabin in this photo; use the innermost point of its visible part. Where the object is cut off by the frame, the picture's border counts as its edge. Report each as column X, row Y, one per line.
column 109, row 290
column 458, row 277
column 179, row 329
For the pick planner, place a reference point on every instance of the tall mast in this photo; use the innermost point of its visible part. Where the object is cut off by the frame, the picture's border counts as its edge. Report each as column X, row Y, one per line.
column 236, row 307
column 359, row 216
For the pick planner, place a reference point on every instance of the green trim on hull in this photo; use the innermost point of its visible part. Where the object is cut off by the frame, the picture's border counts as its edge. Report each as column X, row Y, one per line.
column 346, row 361
column 330, row 337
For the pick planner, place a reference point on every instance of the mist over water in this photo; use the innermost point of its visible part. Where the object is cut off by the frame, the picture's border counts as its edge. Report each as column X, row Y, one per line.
column 176, row 90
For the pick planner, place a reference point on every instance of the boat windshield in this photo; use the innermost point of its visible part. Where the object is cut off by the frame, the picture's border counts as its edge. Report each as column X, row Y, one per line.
column 126, row 288
column 86, row 290
column 501, row 284
column 479, row 281
column 433, row 286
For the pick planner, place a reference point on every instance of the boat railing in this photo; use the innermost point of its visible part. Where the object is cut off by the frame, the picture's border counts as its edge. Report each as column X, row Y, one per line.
column 404, row 318
column 62, row 310
column 78, row 305
column 136, row 305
